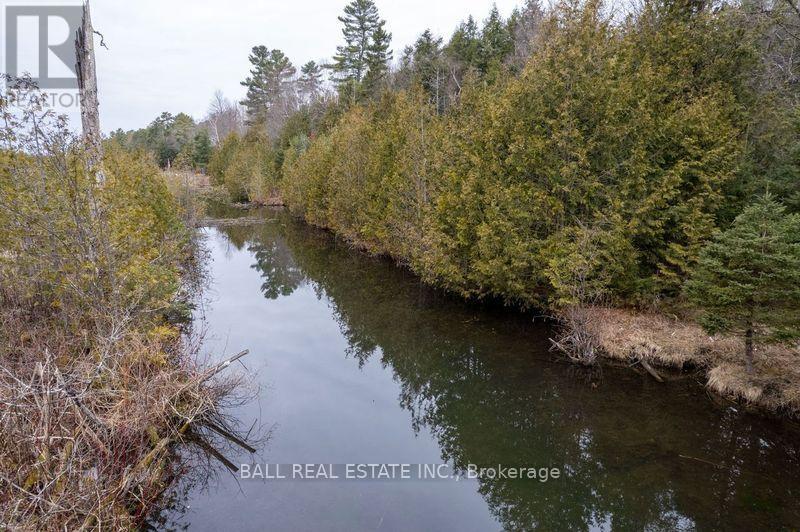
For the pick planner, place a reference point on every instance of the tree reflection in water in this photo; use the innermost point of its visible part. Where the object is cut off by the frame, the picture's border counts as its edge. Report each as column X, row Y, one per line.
column 635, row 454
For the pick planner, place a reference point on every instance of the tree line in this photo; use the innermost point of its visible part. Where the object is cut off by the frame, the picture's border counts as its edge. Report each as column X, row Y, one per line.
column 566, row 155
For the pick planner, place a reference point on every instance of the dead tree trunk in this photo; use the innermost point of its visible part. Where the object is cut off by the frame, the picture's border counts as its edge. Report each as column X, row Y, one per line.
column 87, row 85
column 749, row 350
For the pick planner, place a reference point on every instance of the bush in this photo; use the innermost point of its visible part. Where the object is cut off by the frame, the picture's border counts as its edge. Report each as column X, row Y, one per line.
column 221, row 158
column 603, row 132
column 97, row 384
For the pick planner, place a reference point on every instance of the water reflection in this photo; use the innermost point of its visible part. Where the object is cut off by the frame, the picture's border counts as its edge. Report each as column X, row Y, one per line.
column 635, row 454
column 276, row 265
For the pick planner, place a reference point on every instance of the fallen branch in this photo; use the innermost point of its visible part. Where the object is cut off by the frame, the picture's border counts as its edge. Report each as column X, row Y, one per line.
column 96, row 422
column 650, row 370
column 227, row 435
column 223, row 365
column 213, row 452
column 213, row 371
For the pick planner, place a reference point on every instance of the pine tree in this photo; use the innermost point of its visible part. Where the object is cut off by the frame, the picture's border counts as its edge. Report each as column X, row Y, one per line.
column 310, row 82
column 495, row 42
column 747, row 280
column 201, row 150
column 379, row 55
column 269, row 85
column 366, row 48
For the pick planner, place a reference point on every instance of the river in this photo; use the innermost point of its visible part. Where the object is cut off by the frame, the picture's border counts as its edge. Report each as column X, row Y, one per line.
column 360, row 363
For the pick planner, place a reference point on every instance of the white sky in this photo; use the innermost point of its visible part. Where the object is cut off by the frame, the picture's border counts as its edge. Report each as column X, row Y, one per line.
column 171, row 55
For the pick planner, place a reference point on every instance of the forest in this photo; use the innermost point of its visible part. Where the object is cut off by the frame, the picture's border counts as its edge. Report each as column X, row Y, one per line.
column 569, row 156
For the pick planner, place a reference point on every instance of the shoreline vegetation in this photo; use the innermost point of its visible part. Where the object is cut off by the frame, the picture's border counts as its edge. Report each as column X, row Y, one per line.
column 664, row 341
column 616, row 165
column 106, row 401
column 663, row 344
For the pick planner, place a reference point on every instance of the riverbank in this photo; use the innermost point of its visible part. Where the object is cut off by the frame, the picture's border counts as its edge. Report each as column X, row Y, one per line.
column 678, row 344
column 100, row 381
column 668, row 342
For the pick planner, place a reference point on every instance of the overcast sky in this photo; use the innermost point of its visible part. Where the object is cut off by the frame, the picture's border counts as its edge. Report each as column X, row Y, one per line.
column 172, row 55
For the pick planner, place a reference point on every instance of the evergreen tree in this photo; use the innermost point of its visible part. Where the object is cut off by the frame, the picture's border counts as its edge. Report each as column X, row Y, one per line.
column 427, row 66
column 202, row 150
column 747, row 280
column 269, row 86
column 524, row 26
column 222, row 157
column 366, row 48
column 464, row 44
column 379, row 55
column 310, row 82
column 495, row 42
column 167, row 136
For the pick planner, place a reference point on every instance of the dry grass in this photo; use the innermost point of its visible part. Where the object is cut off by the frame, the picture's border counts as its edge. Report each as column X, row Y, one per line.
column 275, row 200
column 88, row 429
column 177, row 179
column 669, row 342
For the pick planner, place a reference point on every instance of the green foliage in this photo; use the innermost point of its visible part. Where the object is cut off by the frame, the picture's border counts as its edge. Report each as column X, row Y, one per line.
column 146, row 232
column 589, row 265
column 464, row 44
column 379, row 55
column 426, row 67
column 251, row 173
column 268, row 84
column 495, row 42
column 305, row 184
column 310, row 82
column 70, row 247
column 363, row 60
column 748, row 278
column 201, row 150
column 165, row 138
column 221, row 158
column 614, row 151
column 366, row 178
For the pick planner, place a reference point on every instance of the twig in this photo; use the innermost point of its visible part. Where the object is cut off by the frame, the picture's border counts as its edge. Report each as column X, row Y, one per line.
column 650, row 370
column 102, row 39
column 225, row 434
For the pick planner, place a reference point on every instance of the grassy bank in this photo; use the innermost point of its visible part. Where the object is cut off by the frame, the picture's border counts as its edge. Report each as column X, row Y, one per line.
column 669, row 342
column 99, row 384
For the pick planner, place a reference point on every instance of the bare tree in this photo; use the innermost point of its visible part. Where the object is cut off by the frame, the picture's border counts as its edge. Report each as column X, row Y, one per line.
column 525, row 31
column 87, row 83
column 224, row 117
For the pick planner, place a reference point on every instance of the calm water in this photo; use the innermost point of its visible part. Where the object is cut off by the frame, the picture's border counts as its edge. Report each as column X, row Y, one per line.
column 359, row 363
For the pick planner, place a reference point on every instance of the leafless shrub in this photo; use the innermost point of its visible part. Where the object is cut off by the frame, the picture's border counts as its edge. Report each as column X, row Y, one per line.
column 575, row 338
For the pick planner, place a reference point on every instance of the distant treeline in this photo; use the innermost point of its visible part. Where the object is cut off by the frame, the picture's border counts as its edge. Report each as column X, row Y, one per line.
column 173, row 141
column 179, row 141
